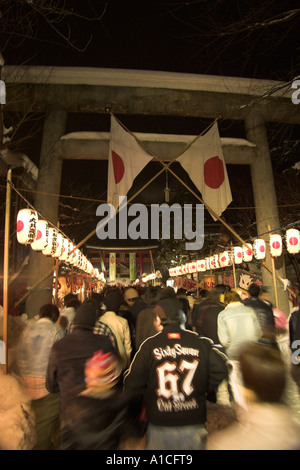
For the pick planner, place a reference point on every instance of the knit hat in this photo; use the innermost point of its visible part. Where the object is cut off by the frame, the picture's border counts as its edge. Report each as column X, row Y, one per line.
column 130, row 294
column 168, row 309
column 102, row 372
column 87, row 314
column 113, row 301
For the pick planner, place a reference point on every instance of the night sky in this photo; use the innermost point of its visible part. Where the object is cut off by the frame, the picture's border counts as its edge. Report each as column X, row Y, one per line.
column 234, row 38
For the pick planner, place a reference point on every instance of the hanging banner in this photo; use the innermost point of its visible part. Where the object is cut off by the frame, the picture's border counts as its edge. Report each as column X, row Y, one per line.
column 112, row 267
column 132, row 266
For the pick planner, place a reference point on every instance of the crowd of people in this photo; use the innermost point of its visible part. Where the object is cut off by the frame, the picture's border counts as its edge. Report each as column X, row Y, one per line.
column 133, row 370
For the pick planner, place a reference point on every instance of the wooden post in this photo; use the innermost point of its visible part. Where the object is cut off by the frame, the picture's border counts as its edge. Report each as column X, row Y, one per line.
column 233, row 266
column 6, row 269
column 274, row 276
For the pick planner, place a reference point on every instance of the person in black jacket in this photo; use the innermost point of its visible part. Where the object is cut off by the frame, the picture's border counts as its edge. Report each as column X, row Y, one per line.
column 294, row 336
column 65, row 372
column 264, row 312
column 173, row 371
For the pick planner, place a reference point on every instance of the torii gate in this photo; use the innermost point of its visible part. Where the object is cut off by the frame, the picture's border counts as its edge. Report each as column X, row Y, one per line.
column 58, row 91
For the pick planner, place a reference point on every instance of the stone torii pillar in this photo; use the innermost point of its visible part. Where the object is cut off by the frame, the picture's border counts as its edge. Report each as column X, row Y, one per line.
column 265, row 202
column 49, row 181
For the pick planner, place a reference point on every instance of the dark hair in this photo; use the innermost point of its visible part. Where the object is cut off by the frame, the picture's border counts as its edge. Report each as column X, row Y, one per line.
column 168, row 292
column 69, row 298
column 263, row 371
column 49, row 311
column 152, row 295
column 75, row 303
column 254, row 290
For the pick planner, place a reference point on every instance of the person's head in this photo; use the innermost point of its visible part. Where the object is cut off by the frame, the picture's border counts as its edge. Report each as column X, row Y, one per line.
column 181, row 291
column 97, row 297
column 49, row 311
column 168, row 292
column 231, row 296
column 166, row 312
column 130, row 296
column 254, row 290
column 152, row 295
column 69, row 299
column 113, row 300
column 263, row 372
column 86, row 315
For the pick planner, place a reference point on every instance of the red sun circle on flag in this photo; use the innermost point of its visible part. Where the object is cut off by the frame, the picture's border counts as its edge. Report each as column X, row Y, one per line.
column 214, row 172
column 118, row 165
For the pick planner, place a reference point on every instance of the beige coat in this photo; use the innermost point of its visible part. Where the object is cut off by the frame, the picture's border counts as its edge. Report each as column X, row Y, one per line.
column 120, row 329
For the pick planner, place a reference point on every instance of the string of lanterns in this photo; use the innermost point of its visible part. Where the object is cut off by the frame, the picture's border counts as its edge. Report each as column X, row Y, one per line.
column 51, row 242
column 242, row 254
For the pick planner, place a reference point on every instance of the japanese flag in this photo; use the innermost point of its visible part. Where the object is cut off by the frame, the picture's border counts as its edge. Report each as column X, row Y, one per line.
column 126, row 160
column 204, row 162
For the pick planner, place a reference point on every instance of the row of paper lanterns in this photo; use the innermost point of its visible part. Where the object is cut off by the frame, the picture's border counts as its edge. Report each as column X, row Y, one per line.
column 240, row 254
column 42, row 237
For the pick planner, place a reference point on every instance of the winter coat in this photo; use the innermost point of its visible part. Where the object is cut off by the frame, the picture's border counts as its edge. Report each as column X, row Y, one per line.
column 205, row 319
column 33, row 352
column 65, row 373
column 174, row 370
column 237, row 324
column 120, row 328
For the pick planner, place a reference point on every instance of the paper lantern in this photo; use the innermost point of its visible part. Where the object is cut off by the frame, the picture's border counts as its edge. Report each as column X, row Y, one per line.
column 259, row 248
column 59, row 246
column 84, row 263
column 216, row 261
column 73, row 258
column 247, row 253
column 78, row 262
column 66, row 244
column 275, row 242
column 212, row 262
column 26, row 226
column 225, row 259
column 201, row 265
column 207, row 263
column 52, row 242
column 292, row 237
column 179, row 270
column 193, row 267
column 237, row 254
column 42, row 234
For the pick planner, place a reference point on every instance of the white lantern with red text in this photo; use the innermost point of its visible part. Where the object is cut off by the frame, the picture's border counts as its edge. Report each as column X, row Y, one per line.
column 42, row 235
column 216, row 261
column 259, row 248
column 59, row 246
column 65, row 250
column 212, row 262
column 207, row 263
column 292, row 237
column 275, row 242
column 26, row 226
column 193, row 267
column 225, row 259
column 201, row 265
column 247, row 253
column 179, row 270
column 238, row 254
column 183, row 268
column 52, row 242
